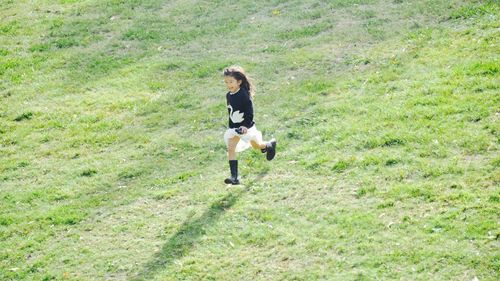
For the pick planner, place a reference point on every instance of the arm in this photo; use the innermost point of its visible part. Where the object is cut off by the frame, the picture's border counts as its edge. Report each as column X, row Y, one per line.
column 248, row 121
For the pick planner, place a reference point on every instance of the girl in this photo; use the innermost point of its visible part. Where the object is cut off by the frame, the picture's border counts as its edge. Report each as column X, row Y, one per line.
column 242, row 132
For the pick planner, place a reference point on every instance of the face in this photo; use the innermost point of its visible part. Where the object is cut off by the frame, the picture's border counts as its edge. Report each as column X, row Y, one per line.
column 232, row 84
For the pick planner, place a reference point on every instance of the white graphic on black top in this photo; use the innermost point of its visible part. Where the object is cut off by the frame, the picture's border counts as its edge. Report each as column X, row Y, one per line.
column 240, row 109
column 237, row 116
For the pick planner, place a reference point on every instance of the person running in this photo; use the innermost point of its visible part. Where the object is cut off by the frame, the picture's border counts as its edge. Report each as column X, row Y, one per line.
column 242, row 132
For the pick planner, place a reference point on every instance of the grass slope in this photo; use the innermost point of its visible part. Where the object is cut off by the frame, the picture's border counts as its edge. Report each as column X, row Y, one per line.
column 111, row 154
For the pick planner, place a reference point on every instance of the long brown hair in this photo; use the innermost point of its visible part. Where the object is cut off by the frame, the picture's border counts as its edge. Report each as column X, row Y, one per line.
column 238, row 73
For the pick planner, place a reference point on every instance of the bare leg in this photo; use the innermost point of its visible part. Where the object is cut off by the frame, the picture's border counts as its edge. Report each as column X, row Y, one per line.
column 256, row 145
column 266, row 147
column 231, row 148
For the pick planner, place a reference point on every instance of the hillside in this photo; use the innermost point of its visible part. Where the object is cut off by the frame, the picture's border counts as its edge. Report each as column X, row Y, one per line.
column 112, row 160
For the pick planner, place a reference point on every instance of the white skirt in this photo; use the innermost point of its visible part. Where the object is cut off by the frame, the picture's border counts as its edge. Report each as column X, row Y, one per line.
column 252, row 135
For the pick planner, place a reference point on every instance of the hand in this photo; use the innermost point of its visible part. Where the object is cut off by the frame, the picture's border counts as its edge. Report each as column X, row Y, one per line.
column 243, row 129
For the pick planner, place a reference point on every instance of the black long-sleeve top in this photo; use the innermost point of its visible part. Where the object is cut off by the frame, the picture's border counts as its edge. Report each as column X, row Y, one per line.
column 240, row 109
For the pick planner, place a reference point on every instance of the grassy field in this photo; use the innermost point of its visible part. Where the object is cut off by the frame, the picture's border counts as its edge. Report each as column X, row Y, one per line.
column 112, row 160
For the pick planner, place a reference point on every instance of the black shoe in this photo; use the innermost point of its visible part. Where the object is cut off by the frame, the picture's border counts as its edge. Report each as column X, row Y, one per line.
column 271, row 150
column 231, row 180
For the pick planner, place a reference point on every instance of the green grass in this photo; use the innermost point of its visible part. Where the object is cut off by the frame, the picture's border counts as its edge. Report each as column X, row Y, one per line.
column 112, row 159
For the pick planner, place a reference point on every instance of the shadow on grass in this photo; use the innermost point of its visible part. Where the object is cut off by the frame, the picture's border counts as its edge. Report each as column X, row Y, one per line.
column 180, row 244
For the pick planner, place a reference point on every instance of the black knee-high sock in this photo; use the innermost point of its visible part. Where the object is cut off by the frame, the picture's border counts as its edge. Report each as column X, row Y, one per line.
column 233, row 166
